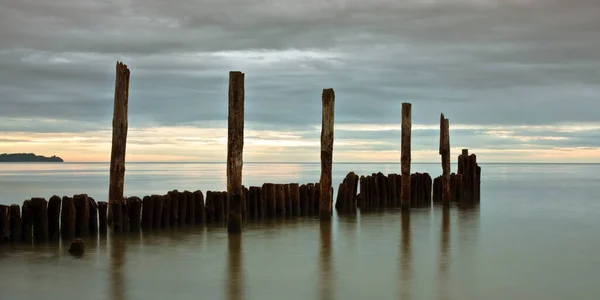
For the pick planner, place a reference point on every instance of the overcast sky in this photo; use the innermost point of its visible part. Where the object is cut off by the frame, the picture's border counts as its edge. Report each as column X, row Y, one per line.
column 519, row 80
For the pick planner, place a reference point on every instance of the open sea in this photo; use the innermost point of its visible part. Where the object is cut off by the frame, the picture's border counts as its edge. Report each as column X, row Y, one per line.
column 535, row 235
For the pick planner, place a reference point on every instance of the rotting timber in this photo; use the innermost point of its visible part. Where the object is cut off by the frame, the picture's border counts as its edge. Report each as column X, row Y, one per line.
column 79, row 216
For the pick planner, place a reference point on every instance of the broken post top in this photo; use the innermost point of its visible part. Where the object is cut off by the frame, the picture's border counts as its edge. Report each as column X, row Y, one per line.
column 122, row 68
column 465, row 152
column 328, row 93
column 235, row 73
column 444, row 135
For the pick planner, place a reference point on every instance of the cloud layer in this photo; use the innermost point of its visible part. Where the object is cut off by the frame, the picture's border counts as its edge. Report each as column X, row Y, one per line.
column 515, row 78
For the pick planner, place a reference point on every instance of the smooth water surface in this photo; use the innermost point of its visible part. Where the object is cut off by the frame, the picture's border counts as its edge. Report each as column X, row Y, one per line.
column 534, row 236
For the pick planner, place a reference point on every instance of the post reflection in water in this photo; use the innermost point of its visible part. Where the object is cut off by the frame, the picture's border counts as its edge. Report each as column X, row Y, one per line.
column 444, row 259
column 405, row 268
column 117, row 260
column 235, row 280
column 326, row 284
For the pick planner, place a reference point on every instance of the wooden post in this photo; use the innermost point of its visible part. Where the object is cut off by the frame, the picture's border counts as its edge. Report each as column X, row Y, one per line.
column 40, row 220
column 4, row 224
column 183, row 207
column 295, row 199
column 82, row 215
column 191, row 209
column 280, row 200
column 235, row 150
column 165, row 219
column 119, row 137
column 27, row 221
column 209, row 206
column 327, row 134
column 102, row 217
column 200, row 213
column 158, row 211
column 405, row 158
column 54, row 218
column 135, row 213
column 147, row 212
column 16, row 226
column 174, row 195
column 445, row 153
column 93, row 215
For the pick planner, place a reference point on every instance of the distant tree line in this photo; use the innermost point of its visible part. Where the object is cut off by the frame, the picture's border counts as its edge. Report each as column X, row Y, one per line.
column 28, row 157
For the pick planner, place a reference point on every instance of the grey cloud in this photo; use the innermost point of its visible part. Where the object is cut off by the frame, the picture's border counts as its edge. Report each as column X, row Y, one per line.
column 505, row 63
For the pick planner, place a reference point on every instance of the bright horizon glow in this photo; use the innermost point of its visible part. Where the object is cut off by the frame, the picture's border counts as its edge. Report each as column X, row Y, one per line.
column 195, row 144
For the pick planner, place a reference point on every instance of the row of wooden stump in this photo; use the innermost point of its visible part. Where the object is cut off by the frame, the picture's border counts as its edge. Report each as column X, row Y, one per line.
column 380, row 191
column 40, row 220
column 464, row 185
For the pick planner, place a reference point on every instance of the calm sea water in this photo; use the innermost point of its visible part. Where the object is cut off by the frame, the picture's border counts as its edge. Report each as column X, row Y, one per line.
column 536, row 235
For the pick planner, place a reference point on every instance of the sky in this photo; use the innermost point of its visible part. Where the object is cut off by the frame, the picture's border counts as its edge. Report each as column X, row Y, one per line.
column 519, row 80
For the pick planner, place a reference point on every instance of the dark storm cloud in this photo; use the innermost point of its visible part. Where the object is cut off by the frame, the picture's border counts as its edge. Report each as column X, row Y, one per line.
column 483, row 62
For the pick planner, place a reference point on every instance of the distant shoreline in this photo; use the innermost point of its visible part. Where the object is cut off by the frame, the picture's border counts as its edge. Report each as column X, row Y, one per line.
column 28, row 157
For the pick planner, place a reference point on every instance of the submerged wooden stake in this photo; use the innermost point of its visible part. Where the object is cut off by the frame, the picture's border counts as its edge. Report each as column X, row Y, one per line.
column 119, row 137
column 326, row 197
column 445, row 153
column 405, row 158
column 235, row 149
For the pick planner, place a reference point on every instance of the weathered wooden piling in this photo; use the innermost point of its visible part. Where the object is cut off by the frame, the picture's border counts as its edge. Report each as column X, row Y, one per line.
column 244, row 202
column 361, row 199
column 115, row 215
column 54, row 218
column 310, row 193
column 260, row 202
column 221, row 201
column 183, row 207
column 405, row 159
column 119, row 137
column 102, row 217
column 280, row 199
column 471, row 177
column 93, row 215
column 269, row 199
column 147, row 212
column 209, row 207
column 346, row 197
column 288, row 200
column 82, row 216
column 39, row 208
column 190, row 218
column 165, row 219
column 235, row 150
column 251, row 203
column 125, row 215
column 157, row 212
column 27, row 218
column 4, row 224
column 135, row 213
column 16, row 225
column 303, row 191
column 174, row 196
column 199, row 205
column 295, row 199
column 437, row 190
column 327, row 135
column 444, row 151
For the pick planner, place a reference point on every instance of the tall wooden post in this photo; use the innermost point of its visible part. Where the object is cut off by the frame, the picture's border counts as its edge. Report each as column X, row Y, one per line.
column 119, row 137
column 445, row 153
column 405, row 155
column 235, row 149
column 326, row 197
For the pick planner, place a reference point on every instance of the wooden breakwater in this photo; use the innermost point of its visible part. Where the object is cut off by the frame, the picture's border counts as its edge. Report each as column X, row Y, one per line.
column 39, row 220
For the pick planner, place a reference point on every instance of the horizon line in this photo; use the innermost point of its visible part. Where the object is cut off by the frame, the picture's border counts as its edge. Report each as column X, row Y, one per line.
column 295, row 162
